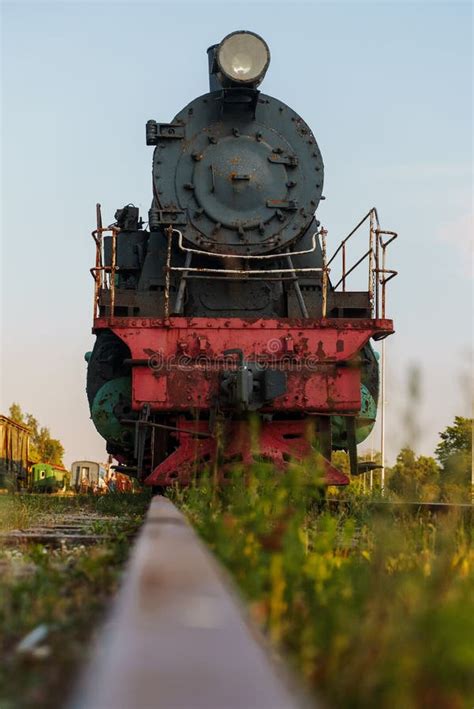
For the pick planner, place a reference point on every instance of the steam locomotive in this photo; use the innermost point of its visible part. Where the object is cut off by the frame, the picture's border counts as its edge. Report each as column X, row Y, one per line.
column 220, row 336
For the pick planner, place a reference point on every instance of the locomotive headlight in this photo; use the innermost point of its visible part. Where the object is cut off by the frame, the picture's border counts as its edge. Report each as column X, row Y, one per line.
column 243, row 57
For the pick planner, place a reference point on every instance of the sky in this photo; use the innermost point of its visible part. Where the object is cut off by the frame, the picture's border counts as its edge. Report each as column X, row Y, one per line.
column 387, row 90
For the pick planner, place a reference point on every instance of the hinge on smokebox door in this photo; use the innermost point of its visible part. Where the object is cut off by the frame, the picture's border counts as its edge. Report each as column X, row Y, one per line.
column 163, row 131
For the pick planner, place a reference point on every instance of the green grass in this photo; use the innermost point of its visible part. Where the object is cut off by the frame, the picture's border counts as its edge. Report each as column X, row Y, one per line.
column 23, row 510
column 68, row 589
column 372, row 609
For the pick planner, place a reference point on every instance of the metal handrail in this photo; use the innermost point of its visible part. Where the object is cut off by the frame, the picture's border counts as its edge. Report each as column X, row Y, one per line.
column 280, row 255
column 378, row 275
column 343, row 242
column 99, row 271
column 383, row 271
column 346, row 273
column 292, row 270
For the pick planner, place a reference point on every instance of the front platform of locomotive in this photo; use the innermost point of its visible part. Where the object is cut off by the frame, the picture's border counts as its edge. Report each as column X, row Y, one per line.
column 221, row 319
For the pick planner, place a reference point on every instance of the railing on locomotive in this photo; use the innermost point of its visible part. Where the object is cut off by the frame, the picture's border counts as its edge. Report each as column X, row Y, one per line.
column 100, row 271
column 378, row 276
column 211, row 272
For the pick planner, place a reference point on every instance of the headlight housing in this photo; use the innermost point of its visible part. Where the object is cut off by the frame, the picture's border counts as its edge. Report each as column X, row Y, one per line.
column 243, row 57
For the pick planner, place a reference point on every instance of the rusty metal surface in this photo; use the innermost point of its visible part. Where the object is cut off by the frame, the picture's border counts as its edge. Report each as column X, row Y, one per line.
column 276, row 442
column 169, row 234
column 104, row 276
column 324, row 293
column 374, row 324
column 177, row 363
column 196, row 387
column 177, row 638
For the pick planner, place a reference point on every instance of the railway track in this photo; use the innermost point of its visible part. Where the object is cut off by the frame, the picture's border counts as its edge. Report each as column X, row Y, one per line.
column 178, row 635
column 176, row 631
column 70, row 529
column 405, row 506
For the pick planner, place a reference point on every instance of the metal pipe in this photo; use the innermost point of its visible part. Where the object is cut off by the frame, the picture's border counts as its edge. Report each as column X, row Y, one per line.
column 98, row 257
column 344, row 267
column 112, row 272
column 384, row 245
column 377, row 273
column 243, row 278
column 393, row 234
column 246, row 273
column 245, row 256
column 382, row 421
column 352, row 268
column 384, row 281
column 369, row 214
column 299, row 294
column 371, row 264
column 166, row 298
column 95, row 274
column 182, row 285
column 152, row 424
column 325, row 274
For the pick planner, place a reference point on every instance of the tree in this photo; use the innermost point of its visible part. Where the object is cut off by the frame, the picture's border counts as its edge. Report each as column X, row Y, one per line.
column 455, row 439
column 454, row 453
column 43, row 447
column 16, row 414
column 414, row 478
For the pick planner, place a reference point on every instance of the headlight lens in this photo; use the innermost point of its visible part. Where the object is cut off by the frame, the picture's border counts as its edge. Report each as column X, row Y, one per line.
column 243, row 57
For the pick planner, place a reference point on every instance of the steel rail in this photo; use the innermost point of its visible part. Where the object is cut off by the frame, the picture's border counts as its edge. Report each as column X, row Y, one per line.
column 408, row 505
column 178, row 635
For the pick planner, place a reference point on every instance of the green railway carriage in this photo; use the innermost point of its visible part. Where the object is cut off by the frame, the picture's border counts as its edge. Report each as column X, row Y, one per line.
column 46, row 477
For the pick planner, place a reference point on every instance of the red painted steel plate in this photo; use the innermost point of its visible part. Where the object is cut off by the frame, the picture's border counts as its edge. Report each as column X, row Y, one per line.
column 182, row 359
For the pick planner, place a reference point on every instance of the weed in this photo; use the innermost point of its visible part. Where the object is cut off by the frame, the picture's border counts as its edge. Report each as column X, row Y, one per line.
column 68, row 590
column 372, row 609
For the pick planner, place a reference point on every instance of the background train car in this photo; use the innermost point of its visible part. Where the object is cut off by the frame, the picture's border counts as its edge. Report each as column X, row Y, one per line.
column 14, row 453
column 46, row 477
column 118, row 482
column 87, row 476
